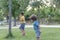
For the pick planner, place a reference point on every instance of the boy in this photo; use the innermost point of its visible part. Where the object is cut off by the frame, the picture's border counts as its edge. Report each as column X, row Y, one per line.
column 36, row 26
column 22, row 22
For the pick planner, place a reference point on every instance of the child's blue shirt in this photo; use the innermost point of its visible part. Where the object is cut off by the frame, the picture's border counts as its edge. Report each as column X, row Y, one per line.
column 36, row 25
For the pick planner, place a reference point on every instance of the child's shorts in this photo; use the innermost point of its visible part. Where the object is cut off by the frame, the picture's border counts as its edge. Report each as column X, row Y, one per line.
column 38, row 33
column 22, row 26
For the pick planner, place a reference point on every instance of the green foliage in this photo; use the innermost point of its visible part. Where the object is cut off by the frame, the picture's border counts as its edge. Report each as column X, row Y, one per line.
column 17, row 6
column 1, row 16
column 4, row 7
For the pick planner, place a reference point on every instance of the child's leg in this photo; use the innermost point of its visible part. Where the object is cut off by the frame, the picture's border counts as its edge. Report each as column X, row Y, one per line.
column 23, row 32
column 38, row 38
column 38, row 35
column 22, row 29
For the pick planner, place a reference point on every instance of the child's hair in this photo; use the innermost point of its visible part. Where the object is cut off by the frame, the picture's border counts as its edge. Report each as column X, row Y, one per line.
column 22, row 13
column 34, row 17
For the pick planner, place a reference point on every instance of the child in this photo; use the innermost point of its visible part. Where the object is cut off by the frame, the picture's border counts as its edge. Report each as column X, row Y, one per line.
column 22, row 22
column 36, row 26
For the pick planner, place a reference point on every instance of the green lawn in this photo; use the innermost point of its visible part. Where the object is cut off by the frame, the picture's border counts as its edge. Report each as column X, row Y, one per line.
column 46, row 34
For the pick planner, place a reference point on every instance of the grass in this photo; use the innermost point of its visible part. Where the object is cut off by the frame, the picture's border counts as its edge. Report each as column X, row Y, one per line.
column 46, row 34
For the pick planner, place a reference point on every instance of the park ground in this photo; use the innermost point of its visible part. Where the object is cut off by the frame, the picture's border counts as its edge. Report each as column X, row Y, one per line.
column 46, row 34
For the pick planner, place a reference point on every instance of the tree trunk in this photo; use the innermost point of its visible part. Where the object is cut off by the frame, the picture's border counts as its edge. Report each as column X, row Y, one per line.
column 7, row 18
column 14, row 21
column 10, row 14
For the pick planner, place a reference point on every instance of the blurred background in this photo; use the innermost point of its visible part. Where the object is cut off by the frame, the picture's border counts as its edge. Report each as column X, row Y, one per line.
column 48, row 11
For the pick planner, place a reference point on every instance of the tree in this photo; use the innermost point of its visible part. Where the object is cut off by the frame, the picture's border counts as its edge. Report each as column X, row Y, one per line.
column 18, row 6
column 10, row 15
column 11, row 9
column 15, row 6
column 4, row 7
column 36, row 4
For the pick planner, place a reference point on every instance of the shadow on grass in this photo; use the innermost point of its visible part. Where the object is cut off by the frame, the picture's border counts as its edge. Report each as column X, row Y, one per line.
column 9, row 37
